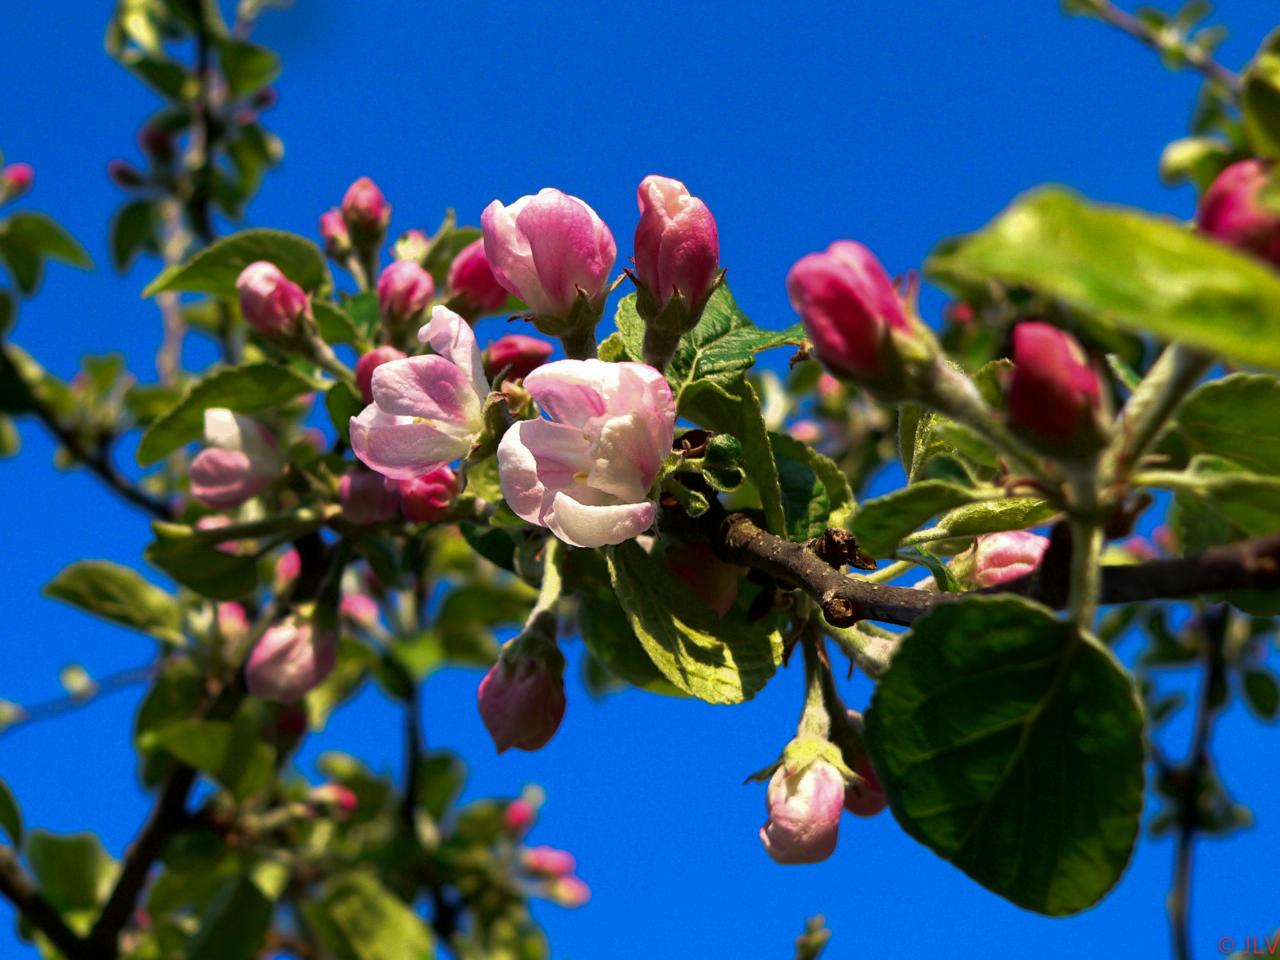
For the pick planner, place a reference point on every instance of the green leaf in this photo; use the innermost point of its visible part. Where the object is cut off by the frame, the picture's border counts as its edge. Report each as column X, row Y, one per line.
column 1260, row 99
column 1198, row 159
column 10, row 815
column 8, row 311
column 441, row 776
column 28, row 239
column 132, row 232
column 245, row 389
column 1013, row 748
column 607, row 633
column 73, row 870
column 1237, row 417
column 342, row 402
column 880, row 524
column 234, row 924
column 356, row 918
column 714, row 659
column 1126, row 268
column 1245, row 500
column 247, row 66
column 335, row 325
column 813, row 487
column 721, row 347
column 228, row 752
column 215, row 268
column 734, row 408
column 993, row 516
column 120, row 595
column 1261, row 693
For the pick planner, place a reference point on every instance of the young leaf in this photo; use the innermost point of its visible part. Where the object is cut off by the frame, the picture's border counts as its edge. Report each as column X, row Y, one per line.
column 245, row 389
column 1260, row 99
column 228, row 752
column 1247, row 501
column 233, row 924
column 880, row 524
column 132, row 232
column 202, row 567
column 705, row 656
column 215, row 268
column 357, row 918
column 120, row 595
column 813, row 487
column 1237, row 417
column 1013, row 748
column 247, row 66
column 1126, row 268
column 28, row 239
column 608, row 635
column 335, row 325
column 73, row 870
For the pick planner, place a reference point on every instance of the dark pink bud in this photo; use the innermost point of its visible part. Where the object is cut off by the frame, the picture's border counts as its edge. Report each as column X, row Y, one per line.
column 426, row 499
column 522, row 701
column 368, row 497
column 517, row 354
column 804, row 813
column 272, row 304
column 369, row 363
column 1001, row 557
column 334, row 233
column 125, row 175
column 518, row 818
column 677, row 247
column 287, row 568
column 15, row 180
column 334, row 798
column 472, row 282
column 960, row 313
column 360, row 608
column 1054, row 396
column 155, row 142
column 290, row 660
column 1231, row 211
column 266, row 98
column 712, row 581
column 232, row 621
column 548, row 862
column 849, row 307
column 404, row 291
column 366, row 211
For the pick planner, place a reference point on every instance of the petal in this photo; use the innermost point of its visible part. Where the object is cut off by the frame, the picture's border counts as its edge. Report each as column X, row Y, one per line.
column 571, row 246
column 572, row 391
column 644, row 390
column 536, row 459
column 585, row 525
column 428, row 388
column 509, row 256
column 625, row 459
column 452, row 337
column 400, row 447
column 222, row 479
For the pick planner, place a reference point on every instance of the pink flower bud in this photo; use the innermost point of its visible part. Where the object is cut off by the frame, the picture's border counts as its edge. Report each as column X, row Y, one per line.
column 712, row 581
column 864, row 797
column 287, row 569
column 266, row 98
column 522, row 701
column 404, row 291
column 290, row 660
column 15, row 180
column 413, row 245
column 1001, row 557
column 272, row 304
column 546, row 249
column 125, row 175
column 677, row 245
column 849, row 307
column 518, row 818
column 548, row 862
column 239, row 461
column 569, row 892
column 828, row 386
column 804, row 813
column 427, row 498
column 806, row 431
column 1054, row 396
column 333, row 230
column 232, row 622
column 368, row 497
column 360, row 608
column 517, row 354
column 472, row 282
column 366, row 211
column 370, row 362
column 155, row 142
column 334, row 798
column 1232, row 212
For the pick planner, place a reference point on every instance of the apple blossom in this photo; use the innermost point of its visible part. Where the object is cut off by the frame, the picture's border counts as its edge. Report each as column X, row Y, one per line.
column 334, row 233
column 863, row 797
column 1054, row 396
column 413, row 245
column 1232, row 212
column 426, row 411
column 368, row 497
column 426, row 498
column 518, row 817
column 472, row 283
column 1001, row 557
column 366, row 212
column 804, row 812
column 677, row 253
column 586, row 472
column 291, row 659
column 404, row 291
column 272, row 304
column 239, row 461
column 368, row 363
column 517, row 354
column 15, row 180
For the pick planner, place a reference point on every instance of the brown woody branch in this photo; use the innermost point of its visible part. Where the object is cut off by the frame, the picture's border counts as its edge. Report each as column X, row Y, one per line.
column 18, row 889
column 1248, row 565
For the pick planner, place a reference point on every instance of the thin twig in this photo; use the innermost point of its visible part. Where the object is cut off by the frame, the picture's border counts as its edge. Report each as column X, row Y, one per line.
column 1198, row 59
column 65, row 704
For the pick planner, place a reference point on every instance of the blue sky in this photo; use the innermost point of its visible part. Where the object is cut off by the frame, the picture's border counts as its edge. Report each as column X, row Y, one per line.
column 894, row 124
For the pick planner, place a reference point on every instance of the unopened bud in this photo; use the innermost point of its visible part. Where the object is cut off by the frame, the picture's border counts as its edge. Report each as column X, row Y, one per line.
column 15, row 180
column 368, row 497
column 517, row 354
column 1001, row 557
column 548, row 862
column 1054, row 397
column 426, row 499
column 1232, row 212
column 472, row 286
column 334, row 799
column 370, row 362
column 521, row 699
column 239, row 461
column 272, row 304
column 366, row 213
column 413, row 245
column 568, row 892
column 804, row 812
column 404, row 292
column 518, row 817
column 290, row 660
column 125, row 175
column 334, row 233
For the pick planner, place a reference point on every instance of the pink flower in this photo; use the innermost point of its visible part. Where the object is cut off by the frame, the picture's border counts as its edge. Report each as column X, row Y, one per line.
column 712, row 581
column 413, row 245
column 426, row 499
column 806, row 431
column 522, row 702
column 517, row 354
column 849, row 308
column 287, row 569
column 804, row 813
column 585, row 473
column 368, row 497
column 1001, row 557
column 15, row 180
column 1232, row 212
column 272, row 304
column 677, row 245
column 519, row 817
column 548, row 862
column 239, row 461
column 334, row 232
column 360, row 608
column 290, row 660
column 366, row 211
column 1054, row 396
column 426, row 411
column 232, row 622
column 370, row 362
column 471, row 280
column 404, row 291
column 569, row 892
column 546, row 248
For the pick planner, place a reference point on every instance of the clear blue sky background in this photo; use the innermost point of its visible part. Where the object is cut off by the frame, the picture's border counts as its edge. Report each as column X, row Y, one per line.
column 892, row 123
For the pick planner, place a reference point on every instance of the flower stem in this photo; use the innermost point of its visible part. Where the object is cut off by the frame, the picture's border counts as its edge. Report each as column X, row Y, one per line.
column 814, row 721
column 580, row 344
column 1151, row 405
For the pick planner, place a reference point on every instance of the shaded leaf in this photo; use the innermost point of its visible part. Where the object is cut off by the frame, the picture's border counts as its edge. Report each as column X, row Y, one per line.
column 357, row 918
column 120, row 595
column 880, row 524
column 214, row 269
column 1237, row 417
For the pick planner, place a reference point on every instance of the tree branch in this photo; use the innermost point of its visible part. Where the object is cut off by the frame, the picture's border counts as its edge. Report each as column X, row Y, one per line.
column 1198, row 59
column 18, row 889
